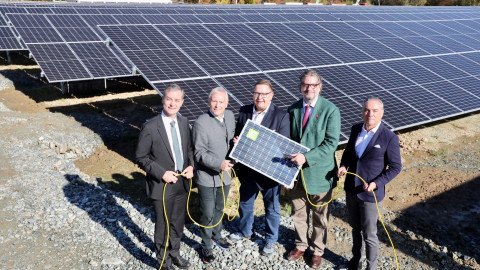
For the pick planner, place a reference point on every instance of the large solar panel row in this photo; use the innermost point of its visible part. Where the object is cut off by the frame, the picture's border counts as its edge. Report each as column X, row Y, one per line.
column 423, row 62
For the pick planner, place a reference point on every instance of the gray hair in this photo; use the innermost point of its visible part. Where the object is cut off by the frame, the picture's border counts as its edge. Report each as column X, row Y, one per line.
column 310, row 72
column 372, row 99
column 173, row 87
column 217, row 90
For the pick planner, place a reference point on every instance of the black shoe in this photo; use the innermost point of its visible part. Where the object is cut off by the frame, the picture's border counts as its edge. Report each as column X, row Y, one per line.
column 207, row 255
column 181, row 262
column 222, row 243
column 351, row 265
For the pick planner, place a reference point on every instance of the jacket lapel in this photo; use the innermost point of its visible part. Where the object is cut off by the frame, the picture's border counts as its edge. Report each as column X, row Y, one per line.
column 267, row 119
column 297, row 119
column 183, row 135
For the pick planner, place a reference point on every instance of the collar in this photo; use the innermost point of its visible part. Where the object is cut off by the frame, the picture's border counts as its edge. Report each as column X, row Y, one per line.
column 264, row 111
column 314, row 102
column 167, row 119
column 216, row 117
column 373, row 130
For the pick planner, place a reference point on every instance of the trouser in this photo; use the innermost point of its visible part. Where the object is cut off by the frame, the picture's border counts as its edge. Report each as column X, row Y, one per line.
column 300, row 216
column 363, row 218
column 175, row 205
column 211, row 208
column 271, row 201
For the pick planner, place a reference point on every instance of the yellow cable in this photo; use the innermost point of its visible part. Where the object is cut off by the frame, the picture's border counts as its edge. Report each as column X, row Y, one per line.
column 381, row 220
column 306, row 192
column 168, row 227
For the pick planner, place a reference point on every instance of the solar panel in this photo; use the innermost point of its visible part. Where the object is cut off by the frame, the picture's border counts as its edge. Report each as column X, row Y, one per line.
column 8, row 40
column 454, row 94
column 261, row 149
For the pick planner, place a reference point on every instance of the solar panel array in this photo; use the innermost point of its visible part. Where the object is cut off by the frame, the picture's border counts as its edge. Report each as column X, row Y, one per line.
column 262, row 150
column 424, row 62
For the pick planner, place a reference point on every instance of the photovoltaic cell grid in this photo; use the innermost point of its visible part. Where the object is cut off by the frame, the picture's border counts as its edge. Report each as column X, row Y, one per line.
column 363, row 56
column 262, row 149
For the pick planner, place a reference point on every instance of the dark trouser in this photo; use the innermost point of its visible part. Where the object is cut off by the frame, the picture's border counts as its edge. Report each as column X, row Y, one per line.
column 363, row 218
column 271, row 201
column 175, row 205
column 211, row 208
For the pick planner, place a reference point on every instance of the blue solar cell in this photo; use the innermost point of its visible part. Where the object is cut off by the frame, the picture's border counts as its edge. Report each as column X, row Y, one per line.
column 467, row 41
column 159, row 19
column 398, row 114
column 469, row 84
column 347, row 80
column 419, row 28
column 190, row 36
column 403, row 47
column 458, row 26
column 450, row 44
column 382, row 75
column 413, row 71
column 463, row 62
column 375, row 49
column 181, row 18
column 268, row 57
column 396, row 29
column 237, row 34
column 308, row 54
column 350, row 112
column 428, row 45
column 294, row 17
column 261, row 149
column 371, row 30
column 254, row 18
column 454, row 94
column 344, row 51
column 276, row 33
column 210, row 18
column 429, row 104
column 130, row 19
column 311, row 31
column 343, row 30
column 441, row 67
column 138, row 37
column 232, row 18
column 220, row 60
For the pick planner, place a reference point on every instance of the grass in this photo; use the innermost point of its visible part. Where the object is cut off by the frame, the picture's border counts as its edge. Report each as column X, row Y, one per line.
column 439, row 152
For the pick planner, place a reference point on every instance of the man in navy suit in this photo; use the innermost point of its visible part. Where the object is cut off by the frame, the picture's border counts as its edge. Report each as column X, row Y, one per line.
column 373, row 153
column 267, row 114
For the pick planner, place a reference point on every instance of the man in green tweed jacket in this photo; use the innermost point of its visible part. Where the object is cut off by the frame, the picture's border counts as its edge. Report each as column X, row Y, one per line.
column 315, row 123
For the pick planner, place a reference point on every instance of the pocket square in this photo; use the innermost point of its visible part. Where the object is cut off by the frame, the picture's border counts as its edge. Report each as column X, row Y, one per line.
column 377, row 146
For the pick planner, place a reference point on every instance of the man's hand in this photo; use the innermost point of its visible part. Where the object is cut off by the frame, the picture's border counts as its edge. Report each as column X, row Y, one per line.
column 369, row 187
column 169, row 177
column 235, row 140
column 226, row 165
column 298, row 159
column 341, row 171
column 188, row 172
column 291, row 184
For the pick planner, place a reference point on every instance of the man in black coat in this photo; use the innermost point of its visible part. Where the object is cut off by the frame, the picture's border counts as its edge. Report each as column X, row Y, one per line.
column 263, row 112
column 165, row 151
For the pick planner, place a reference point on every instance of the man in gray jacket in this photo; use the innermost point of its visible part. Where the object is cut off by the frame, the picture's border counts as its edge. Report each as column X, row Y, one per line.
column 212, row 138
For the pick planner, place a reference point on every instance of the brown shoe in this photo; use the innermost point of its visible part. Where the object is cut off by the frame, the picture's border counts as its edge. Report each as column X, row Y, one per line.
column 295, row 254
column 316, row 261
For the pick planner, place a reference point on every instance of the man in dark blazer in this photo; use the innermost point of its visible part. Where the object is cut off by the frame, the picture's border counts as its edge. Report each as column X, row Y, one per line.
column 315, row 123
column 263, row 112
column 373, row 153
column 165, row 153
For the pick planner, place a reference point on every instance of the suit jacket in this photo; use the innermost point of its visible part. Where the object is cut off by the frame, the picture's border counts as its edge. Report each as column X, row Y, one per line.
column 154, row 154
column 275, row 119
column 212, row 141
column 321, row 136
column 382, row 151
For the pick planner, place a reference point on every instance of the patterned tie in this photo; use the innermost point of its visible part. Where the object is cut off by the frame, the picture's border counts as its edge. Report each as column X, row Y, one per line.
column 305, row 117
column 176, row 147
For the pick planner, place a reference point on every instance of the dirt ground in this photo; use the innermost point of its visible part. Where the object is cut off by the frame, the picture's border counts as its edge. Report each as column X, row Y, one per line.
column 441, row 160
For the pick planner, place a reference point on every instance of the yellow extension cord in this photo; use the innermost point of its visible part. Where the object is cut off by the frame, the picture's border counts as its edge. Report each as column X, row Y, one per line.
column 376, row 203
column 188, row 211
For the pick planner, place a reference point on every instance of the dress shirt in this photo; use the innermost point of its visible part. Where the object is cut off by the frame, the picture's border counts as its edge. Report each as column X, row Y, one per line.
column 257, row 118
column 312, row 105
column 216, row 117
column 364, row 139
column 166, row 122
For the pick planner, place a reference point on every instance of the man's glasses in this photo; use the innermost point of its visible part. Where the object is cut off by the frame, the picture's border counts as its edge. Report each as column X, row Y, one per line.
column 261, row 95
column 306, row 85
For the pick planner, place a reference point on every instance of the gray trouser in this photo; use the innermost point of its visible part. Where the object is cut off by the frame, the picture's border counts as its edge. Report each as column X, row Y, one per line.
column 363, row 218
column 211, row 208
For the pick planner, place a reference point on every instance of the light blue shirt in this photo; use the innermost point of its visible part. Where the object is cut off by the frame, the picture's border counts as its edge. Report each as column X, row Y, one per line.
column 364, row 139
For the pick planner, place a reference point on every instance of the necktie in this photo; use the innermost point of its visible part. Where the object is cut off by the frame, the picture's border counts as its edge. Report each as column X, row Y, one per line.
column 176, row 147
column 305, row 117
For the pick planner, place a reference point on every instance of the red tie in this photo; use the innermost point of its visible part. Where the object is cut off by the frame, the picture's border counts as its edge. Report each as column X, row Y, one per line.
column 305, row 117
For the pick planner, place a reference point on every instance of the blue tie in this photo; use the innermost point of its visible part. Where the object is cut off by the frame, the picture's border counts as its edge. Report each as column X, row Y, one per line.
column 176, row 147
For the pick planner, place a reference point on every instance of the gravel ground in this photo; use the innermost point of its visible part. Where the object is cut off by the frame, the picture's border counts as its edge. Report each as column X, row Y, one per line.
column 53, row 216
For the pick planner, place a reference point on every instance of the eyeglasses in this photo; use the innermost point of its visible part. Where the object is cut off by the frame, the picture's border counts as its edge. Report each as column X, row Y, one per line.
column 306, row 85
column 261, row 95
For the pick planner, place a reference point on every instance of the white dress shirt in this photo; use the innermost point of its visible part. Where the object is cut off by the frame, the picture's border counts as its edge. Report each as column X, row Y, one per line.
column 257, row 118
column 364, row 139
column 168, row 128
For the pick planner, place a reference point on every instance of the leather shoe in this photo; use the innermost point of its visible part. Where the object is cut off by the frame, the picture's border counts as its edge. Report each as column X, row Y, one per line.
column 351, row 265
column 316, row 261
column 180, row 262
column 295, row 254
